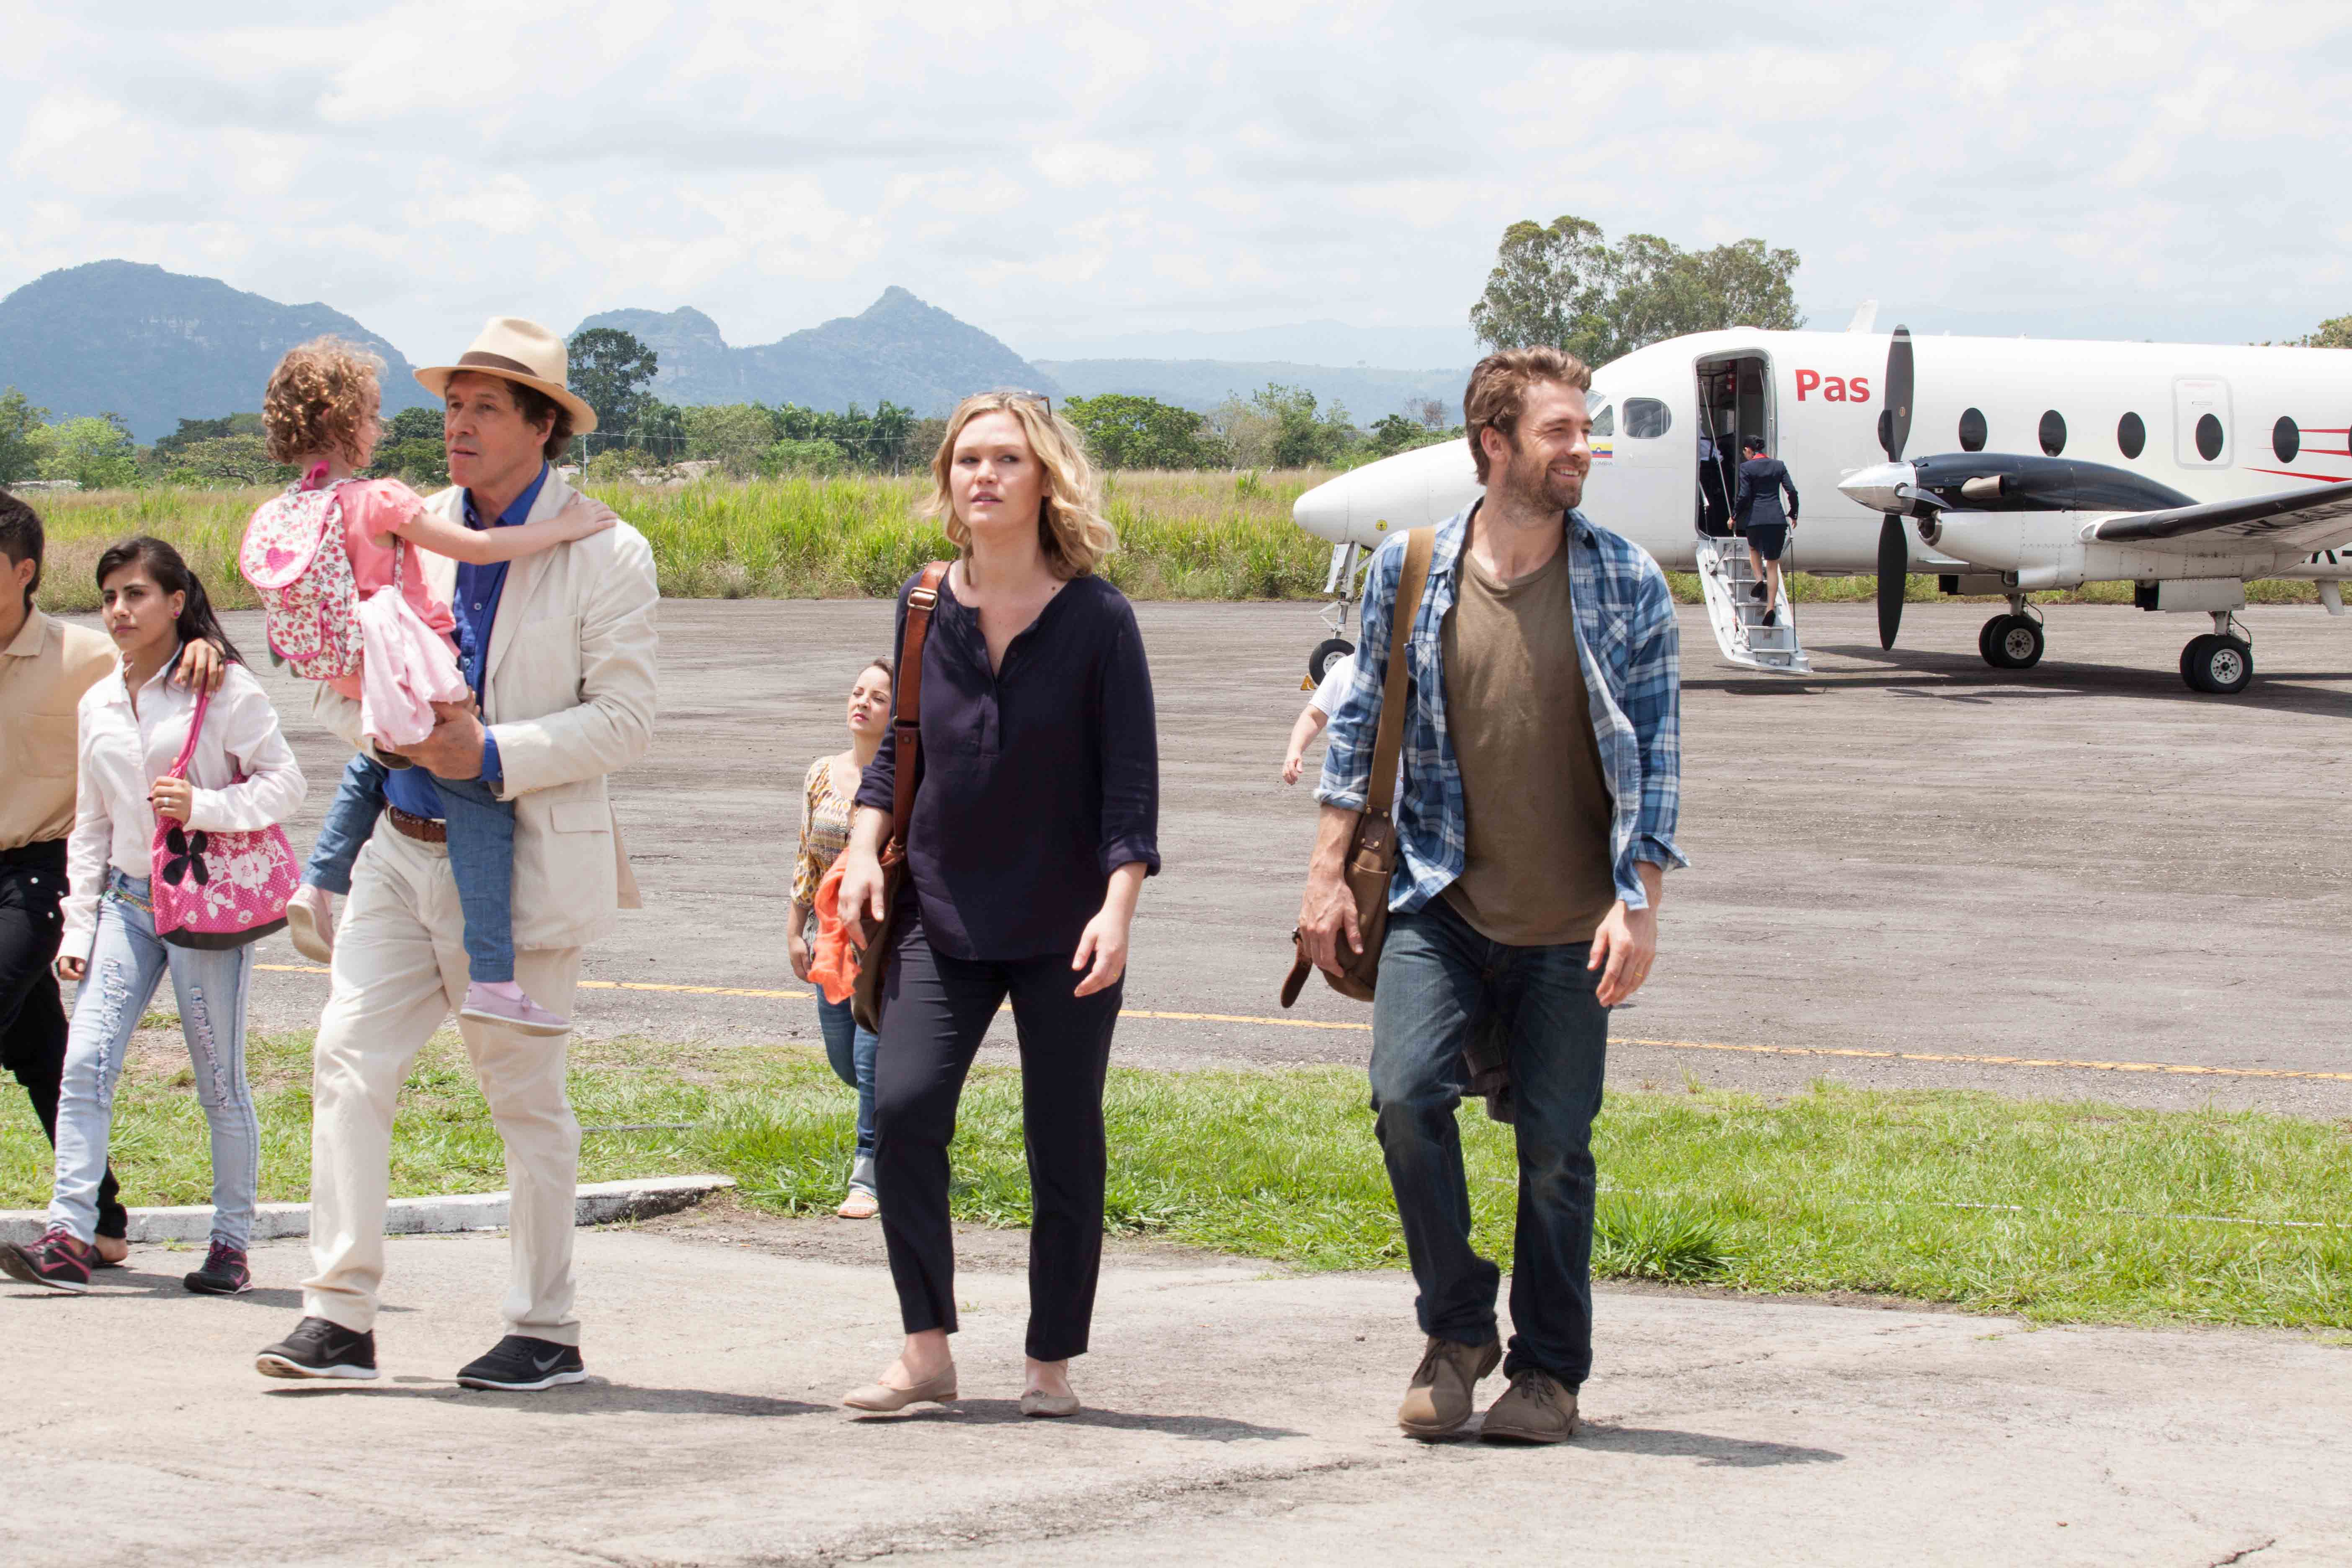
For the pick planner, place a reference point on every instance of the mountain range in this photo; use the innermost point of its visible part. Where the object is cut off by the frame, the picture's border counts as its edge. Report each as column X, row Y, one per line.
column 898, row 348
column 157, row 347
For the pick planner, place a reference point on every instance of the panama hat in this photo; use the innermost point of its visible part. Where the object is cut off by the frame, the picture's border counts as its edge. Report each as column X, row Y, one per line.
column 515, row 350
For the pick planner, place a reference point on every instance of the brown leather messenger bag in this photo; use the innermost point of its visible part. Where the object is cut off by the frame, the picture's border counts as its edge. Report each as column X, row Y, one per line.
column 906, row 733
column 1373, row 851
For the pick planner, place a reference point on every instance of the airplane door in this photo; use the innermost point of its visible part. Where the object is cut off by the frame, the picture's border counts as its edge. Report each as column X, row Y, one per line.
column 2200, row 422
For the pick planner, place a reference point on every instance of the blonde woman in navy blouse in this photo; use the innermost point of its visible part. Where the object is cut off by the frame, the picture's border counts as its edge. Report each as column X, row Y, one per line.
column 1036, row 820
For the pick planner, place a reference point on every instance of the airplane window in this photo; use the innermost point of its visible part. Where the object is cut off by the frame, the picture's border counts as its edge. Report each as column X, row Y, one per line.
column 2209, row 438
column 1646, row 418
column 2054, row 432
column 1972, row 430
column 2131, row 436
column 1605, row 422
column 2285, row 439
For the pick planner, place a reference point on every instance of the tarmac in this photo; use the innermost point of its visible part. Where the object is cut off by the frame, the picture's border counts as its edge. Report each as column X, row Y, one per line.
column 1909, row 870
column 1233, row 1414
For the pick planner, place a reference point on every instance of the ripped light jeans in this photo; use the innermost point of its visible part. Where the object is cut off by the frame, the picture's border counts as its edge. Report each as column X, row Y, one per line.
column 126, row 964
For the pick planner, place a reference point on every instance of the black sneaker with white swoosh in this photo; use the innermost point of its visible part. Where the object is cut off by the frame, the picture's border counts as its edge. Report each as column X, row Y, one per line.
column 521, row 1364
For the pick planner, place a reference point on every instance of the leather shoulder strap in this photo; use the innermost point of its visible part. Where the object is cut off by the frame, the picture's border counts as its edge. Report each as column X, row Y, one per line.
column 1388, row 739
column 907, row 701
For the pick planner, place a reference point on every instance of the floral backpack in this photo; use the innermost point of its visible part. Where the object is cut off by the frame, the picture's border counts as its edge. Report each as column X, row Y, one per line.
column 293, row 555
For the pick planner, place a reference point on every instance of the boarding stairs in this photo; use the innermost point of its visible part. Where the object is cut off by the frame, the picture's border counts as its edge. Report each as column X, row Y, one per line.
column 1729, row 580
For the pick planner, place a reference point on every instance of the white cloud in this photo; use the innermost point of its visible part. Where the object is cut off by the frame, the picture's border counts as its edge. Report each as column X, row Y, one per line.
column 1045, row 168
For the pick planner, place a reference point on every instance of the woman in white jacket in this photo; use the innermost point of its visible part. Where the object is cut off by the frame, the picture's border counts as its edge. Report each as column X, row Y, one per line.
column 133, row 725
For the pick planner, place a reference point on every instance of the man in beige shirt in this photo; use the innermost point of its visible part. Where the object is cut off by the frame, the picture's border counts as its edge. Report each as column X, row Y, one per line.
column 45, row 666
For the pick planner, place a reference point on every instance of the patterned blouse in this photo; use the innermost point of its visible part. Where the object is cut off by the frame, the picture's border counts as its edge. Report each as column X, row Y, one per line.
column 825, row 830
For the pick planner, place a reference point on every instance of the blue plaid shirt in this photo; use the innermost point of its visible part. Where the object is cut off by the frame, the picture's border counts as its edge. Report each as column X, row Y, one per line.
column 1631, row 651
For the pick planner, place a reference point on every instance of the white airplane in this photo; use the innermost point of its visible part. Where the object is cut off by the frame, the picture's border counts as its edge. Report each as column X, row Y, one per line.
column 2187, row 469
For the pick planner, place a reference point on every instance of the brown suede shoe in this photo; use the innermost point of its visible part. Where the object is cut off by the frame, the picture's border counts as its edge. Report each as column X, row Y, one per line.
column 1534, row 1409
column 1438, row 1403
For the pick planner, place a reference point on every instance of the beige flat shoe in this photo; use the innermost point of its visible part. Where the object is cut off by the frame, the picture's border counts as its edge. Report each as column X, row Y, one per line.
column 881, row 1397
column 1037, row 1402
column 310, row 928
column 859, row 1205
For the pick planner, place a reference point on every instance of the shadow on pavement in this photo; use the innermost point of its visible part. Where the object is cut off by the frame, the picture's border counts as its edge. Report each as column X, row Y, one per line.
column 1007, row 1413
column 1958, row 678
column 1713, row 1452
column 594, row 1397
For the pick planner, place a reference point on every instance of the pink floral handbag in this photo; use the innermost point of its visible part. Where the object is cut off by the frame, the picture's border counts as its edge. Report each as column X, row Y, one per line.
column 218, row 890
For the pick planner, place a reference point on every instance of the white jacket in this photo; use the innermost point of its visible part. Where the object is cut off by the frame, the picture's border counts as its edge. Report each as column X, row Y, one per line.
column 122, row 754
column 568, row 688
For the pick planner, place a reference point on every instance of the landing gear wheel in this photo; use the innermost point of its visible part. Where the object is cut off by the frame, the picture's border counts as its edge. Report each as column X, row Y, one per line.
column 2224, row 666
column 1319, row 662
column 2011, row 642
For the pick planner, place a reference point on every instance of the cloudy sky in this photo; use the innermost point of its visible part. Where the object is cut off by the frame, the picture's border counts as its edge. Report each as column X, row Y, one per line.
column 1066, row 176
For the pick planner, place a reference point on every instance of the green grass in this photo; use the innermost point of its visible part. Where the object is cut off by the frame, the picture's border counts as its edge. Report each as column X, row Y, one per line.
column 1208, row 535
column 2054, row 1212
column 1195, row 535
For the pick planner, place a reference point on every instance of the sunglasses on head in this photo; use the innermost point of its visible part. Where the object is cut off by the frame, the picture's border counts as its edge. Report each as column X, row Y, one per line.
column 1020, row 394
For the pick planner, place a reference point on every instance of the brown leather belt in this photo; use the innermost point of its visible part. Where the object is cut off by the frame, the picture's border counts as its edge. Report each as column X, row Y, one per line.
column 423, row 829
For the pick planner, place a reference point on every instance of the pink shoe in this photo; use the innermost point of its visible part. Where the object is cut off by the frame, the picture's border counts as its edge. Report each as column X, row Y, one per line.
column 518, row 1012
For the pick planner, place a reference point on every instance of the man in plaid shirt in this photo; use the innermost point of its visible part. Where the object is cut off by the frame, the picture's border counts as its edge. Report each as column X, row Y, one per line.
column 1542, row 771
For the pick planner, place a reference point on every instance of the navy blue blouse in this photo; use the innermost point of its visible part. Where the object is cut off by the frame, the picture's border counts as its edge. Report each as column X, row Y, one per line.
column 1036, row 782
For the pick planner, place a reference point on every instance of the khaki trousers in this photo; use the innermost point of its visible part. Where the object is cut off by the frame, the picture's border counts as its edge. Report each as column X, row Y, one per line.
column 399, row 971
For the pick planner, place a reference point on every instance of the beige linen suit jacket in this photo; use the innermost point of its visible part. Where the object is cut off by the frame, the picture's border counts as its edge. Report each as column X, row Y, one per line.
column 569, row 687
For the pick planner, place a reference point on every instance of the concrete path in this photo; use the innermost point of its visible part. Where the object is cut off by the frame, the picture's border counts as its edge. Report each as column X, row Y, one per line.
column 1235, row 1416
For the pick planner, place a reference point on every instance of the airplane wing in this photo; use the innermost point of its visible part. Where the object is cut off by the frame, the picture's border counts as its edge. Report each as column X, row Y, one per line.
column 2319, row 517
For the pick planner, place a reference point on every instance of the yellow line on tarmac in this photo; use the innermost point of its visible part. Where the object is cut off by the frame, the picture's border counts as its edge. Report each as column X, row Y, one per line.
column 608, row 984
column 2061, row 1063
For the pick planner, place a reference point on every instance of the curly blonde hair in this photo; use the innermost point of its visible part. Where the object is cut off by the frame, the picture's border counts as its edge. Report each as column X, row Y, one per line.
column 319, row 397
column 1071, row 528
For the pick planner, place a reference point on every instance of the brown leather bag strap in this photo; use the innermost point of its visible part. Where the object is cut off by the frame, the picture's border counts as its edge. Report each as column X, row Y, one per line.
column 1388, row 739
column 906, row 703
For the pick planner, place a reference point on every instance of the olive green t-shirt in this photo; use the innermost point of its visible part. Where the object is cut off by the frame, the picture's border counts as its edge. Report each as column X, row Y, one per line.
column 1540, row 811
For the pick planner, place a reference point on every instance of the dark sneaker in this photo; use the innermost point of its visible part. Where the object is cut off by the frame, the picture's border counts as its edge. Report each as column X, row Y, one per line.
column 59, row 1261
column 224, row 1274
column 1438, row 1403
column 521, row 1364
column 1536, row 1408
column 318, row 1348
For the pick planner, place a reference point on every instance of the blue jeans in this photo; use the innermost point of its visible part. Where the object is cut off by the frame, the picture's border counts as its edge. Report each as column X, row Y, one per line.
column 851, row 1050
column 127, row 962
column 1440, row 981
column 481, row 855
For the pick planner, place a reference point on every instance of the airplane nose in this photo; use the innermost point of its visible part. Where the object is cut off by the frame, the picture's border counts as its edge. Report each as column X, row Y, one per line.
column 1881, row 487
column 1323, row 510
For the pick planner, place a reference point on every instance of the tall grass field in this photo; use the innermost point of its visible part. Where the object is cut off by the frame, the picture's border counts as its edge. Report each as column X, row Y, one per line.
column 1183, row 535
column 1203, row 535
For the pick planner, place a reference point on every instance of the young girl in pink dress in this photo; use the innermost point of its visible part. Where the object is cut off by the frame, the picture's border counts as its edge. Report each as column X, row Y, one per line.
column 323, row 415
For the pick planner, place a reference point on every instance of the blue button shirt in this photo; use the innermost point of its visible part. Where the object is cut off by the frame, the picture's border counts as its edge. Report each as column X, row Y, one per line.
column 476, row 604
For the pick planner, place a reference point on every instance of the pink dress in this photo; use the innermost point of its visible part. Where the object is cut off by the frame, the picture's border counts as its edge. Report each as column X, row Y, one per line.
column 411, row 659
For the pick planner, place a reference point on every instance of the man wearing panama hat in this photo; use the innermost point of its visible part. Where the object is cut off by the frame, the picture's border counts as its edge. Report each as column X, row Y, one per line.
column 559, row 649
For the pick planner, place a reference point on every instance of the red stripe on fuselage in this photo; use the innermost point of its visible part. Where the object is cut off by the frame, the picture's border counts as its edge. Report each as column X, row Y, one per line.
column 2289, row 473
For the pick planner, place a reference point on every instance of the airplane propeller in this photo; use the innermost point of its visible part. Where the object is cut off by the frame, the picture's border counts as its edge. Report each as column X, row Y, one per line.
column 1894, row 433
